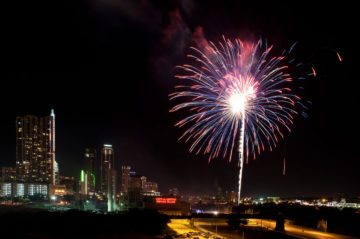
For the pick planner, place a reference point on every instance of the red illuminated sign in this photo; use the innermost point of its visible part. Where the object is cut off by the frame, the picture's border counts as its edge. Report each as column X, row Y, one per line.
column 165, row 200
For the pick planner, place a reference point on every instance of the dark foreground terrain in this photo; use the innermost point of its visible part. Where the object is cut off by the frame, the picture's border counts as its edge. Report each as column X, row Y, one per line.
column 34, row 223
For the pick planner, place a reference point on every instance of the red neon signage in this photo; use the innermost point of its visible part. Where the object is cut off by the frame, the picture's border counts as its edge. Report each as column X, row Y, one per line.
column 165, row 200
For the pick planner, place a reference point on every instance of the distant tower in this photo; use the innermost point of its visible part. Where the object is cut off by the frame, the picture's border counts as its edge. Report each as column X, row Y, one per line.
column 108, row 176
column 107, row 163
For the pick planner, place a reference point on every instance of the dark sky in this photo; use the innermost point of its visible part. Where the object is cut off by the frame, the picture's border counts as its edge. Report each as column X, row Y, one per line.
column 107, row 67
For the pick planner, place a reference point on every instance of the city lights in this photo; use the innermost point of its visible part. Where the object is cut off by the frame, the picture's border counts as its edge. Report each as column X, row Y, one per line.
column 165, row 200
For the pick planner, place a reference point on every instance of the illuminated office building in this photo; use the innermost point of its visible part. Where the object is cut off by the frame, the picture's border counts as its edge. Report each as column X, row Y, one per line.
column 107, row 164
column 108, row 176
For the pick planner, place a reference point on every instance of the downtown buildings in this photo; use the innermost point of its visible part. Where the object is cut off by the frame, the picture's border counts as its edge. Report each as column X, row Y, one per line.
column 135, row 188
column 102, row 186
column 99, row 177
column 100, row 182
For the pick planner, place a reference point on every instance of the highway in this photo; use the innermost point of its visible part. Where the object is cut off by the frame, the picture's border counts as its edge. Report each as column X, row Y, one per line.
column 182, row 226
column 298, row 231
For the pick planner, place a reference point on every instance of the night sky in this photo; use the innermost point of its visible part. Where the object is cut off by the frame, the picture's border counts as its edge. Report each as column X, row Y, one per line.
column 107, row 68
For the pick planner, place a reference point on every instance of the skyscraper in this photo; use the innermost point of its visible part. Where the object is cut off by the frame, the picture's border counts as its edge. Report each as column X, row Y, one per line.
column 55, row 166
column 90, row 161
column 35, row 149
column 108, row 177
column 107, row 164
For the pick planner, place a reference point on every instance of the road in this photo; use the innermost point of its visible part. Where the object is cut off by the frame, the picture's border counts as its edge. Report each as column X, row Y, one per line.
column 290, row 229
column 298, row 231
column 183, row 227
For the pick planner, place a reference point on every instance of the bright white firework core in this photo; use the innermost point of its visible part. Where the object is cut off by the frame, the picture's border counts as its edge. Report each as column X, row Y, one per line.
column 239, row 100
column 237, row 103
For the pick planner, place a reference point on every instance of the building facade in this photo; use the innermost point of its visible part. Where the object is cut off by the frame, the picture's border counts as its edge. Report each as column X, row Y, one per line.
column 171, row 206
column 112, row 188
column 23, row 189
column 8, row 174
column 125, row 177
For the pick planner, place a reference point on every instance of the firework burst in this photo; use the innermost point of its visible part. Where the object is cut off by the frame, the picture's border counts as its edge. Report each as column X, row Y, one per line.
column 235, row 90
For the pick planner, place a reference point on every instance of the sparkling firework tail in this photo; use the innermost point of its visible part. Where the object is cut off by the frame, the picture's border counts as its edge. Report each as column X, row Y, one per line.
column 241, row 154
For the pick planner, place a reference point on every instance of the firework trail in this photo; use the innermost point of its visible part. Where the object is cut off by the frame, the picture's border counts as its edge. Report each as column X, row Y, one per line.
column 236, row 94
column 339, row 57
column 313, row 71
column 284, row 166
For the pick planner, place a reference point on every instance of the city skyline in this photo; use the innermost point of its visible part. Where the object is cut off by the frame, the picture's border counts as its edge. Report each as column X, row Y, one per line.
column 134, row 51
column 212, row 189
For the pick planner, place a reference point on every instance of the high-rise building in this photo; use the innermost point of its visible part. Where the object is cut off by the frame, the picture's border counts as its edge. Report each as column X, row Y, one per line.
column 90, row 168
column 90, row 159
column 134, row 194
column 125, row 177
column 106, row 165
column 35, row 149
column 135, row 181
column 55, row 166
column 108, row 176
